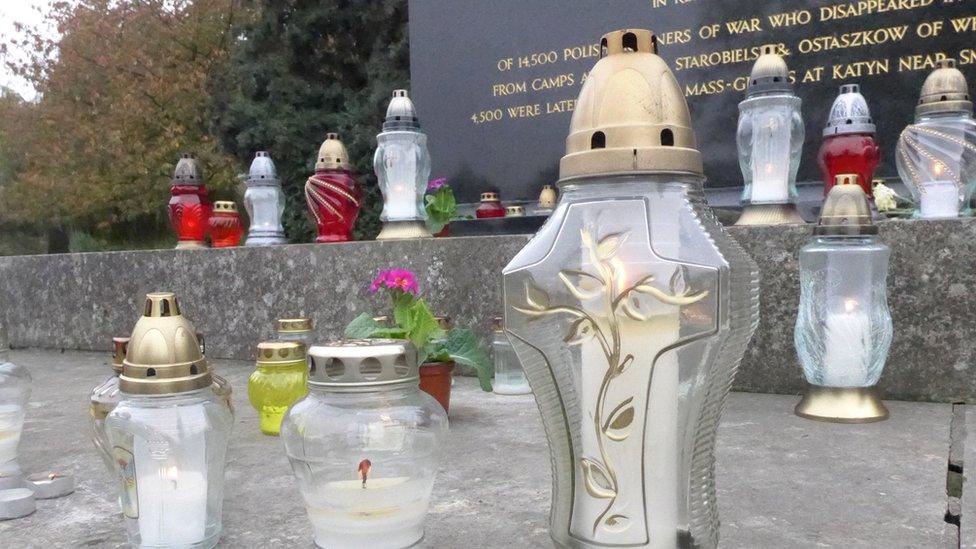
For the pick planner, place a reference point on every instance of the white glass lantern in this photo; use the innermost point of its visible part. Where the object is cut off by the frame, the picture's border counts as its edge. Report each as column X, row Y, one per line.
column 264, row 202
column 104, row 398
column 937, row 154
column 843, row 329
column 295, row 329
column 509, row 376
column 15, row 390
column 770, row 141
column 364, row 445
column 402, row 164
column 169, row 434
column 630, row 311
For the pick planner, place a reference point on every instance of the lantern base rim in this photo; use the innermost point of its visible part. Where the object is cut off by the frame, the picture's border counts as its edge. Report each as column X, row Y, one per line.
column 403, row 230
column 770, row 214
column 191, row 245
column 842, row 405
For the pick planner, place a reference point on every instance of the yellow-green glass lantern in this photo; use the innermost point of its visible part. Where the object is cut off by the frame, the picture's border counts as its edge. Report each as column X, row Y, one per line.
column 278, row 381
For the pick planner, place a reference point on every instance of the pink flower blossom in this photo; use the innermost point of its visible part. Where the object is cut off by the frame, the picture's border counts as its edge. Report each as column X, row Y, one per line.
column 396, row 279
column 436, row 184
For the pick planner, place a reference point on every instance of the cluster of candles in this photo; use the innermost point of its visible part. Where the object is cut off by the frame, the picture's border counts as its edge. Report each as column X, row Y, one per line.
column 936, row 156
column 627, row 323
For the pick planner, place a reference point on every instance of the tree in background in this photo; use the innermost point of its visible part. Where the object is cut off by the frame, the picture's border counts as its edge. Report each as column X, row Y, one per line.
column 302, row 68
column 121, row 94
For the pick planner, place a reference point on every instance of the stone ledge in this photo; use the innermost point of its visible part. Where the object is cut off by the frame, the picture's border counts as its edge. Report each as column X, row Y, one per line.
column 79, row 301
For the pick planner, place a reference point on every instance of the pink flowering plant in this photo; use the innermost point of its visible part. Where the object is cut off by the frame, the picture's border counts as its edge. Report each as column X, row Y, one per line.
column 440, row 204
column 413, row 321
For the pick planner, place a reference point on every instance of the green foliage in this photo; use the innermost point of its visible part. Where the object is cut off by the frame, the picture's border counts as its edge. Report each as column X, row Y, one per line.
column 302, row 68
column 441, row 209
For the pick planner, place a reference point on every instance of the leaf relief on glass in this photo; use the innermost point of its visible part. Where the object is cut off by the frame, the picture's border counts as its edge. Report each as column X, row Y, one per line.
column 604, row 330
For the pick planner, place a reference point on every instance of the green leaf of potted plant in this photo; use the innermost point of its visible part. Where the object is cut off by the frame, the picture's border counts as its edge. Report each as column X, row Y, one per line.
column 438, row 349
column 441, row 207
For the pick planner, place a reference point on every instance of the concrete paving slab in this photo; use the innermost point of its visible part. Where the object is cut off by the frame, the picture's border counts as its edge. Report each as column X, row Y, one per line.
column 783, row 481
column 967, row 525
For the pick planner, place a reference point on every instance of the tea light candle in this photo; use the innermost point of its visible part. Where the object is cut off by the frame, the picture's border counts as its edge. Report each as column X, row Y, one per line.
column 939, row 199
column 848, row 347
column 16, row 503
column 385, row 513
column 50, row 485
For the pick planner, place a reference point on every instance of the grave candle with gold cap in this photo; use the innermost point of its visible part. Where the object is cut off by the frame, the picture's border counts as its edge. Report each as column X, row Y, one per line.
column 843, row 329
column 169, row 433
column 402, row 165
column 226, row 229
column 277, row 382
column 333, row 194
column 937, row 154
column 490, row 206
column 295, row 329
column 364, row 445
column 189, row 208
column 770, row 140
column 104, row 398
column 15, row 390
column 630, row 311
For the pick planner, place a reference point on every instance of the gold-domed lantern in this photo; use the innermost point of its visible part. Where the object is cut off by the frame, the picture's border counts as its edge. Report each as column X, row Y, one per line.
column 169, row 433
column 629, row 313
column 937, row 154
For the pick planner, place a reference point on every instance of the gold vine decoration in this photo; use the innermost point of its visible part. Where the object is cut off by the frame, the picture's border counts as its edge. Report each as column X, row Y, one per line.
column 609, row 284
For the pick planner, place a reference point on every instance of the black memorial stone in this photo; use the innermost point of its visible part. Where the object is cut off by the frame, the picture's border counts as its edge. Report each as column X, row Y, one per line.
column 495, row 81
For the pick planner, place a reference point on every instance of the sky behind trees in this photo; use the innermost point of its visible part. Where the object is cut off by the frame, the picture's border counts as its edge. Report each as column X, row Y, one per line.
column 28, row 12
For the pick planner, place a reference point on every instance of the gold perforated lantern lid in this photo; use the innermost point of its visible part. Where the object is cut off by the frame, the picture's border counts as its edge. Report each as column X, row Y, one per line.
column 631, row 116
column 164, row 355
column 945, row 90
column 770, row 73
column 294, row 325
column 275, row 353
column 225, row 206
column 333, row 154
column 846, row 212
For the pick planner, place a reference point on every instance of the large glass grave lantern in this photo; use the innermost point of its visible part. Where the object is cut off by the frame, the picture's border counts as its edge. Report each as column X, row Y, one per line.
column 364, row 445
column 770, row 141
column 843, row 329
column 630, row 310
column 189, row 207
column 169, row 434
column 848, row 141
column 937, row 154
column 264, row 202
column 402, row 164
column 15, row 390
column 333, row 194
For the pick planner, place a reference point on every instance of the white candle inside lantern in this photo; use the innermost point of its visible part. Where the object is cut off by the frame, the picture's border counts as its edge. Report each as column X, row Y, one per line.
column 939, row 199
column 771, row 159
column 848, row 346
column 383, row 513
column 171, row 477
column 11, row 426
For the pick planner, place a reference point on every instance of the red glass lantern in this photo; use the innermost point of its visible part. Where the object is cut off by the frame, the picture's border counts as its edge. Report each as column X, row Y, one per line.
column 189, row 207
column 848, row 146
column 333, row 194
column 226, row 228
column 491, row 206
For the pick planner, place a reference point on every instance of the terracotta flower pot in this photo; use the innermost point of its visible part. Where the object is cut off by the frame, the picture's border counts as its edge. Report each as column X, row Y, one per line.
column 445, row 232
column 435, row 380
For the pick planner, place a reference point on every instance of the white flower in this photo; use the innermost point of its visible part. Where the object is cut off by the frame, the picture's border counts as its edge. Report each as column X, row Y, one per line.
column 885, row 198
